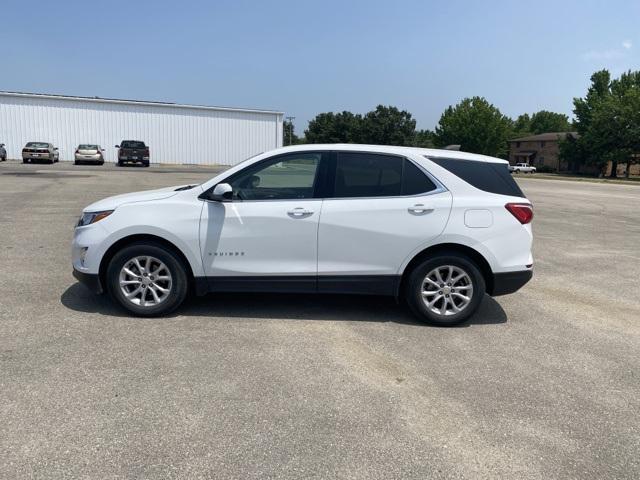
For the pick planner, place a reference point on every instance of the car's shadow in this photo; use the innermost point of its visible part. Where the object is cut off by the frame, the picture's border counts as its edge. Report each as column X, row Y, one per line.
column 281, row 306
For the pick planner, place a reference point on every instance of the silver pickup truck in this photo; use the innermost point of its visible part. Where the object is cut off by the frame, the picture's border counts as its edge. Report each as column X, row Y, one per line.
column 522, row 168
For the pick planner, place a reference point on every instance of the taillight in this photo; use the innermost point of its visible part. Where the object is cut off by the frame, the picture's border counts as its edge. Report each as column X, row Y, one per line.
column 146, row 152
column 522, row 211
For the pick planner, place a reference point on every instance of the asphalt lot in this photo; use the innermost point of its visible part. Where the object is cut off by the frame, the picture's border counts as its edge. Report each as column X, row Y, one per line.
column 541, row 384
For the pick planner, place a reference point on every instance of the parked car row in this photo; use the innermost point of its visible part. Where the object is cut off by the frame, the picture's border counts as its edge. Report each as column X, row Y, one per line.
column 129, row 151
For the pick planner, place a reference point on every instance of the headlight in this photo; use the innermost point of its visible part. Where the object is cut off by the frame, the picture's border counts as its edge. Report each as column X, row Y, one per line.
column 93, row 217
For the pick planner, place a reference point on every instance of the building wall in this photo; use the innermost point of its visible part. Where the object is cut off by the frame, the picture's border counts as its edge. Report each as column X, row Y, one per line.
column 547, row 153
column 175, row 134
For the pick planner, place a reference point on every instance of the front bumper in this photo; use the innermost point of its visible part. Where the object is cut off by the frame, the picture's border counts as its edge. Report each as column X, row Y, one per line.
column 90, row 280
column 510, row 282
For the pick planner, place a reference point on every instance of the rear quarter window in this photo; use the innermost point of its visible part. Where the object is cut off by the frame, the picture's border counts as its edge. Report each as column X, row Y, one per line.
column 486, row 176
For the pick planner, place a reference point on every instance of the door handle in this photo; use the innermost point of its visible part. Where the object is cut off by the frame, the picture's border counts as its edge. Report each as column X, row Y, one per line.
column 299, row 212
column 419, row 209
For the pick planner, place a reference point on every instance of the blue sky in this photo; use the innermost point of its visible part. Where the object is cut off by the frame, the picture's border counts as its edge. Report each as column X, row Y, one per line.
column 307, row 57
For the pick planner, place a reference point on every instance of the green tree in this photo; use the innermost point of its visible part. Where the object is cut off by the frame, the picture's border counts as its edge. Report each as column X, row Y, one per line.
column 424, row 139
column 344, row 127
column 545, row 121
column 608, row 122
column 388, row 126
column 540, row 122
column 522, row 125
column 476, row 125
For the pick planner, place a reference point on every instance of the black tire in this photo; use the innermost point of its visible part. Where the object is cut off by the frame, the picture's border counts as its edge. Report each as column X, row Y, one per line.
column 76, row 162
column 24, row 160
column 179, row 284
column 119, row 163
column 145, row 164
column 414, row 288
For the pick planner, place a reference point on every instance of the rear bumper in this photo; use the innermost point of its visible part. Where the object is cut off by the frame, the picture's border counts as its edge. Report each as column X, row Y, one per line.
column 88, row 158
column 90, row 280
column 134, row 159
column 510, row 282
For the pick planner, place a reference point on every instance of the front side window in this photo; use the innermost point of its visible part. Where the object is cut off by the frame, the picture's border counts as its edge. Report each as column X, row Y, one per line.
column 288, row 177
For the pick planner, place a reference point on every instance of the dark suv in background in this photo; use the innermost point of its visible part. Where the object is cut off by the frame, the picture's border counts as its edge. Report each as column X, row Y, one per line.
column 133, row 151
column 3, row 153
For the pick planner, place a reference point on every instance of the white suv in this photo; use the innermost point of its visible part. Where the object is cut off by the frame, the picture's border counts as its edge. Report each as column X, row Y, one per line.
column 436, row 228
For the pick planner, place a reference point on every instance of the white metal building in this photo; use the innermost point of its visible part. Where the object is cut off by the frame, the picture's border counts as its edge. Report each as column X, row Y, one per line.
column 174, row 133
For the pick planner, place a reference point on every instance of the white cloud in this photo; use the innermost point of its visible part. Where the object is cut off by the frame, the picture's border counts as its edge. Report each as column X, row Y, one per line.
column 602, row 54
column 609, row 54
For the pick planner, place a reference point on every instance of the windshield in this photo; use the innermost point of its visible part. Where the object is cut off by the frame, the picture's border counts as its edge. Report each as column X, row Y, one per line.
column 132, row 144
column 88, row 147
column 37, row 145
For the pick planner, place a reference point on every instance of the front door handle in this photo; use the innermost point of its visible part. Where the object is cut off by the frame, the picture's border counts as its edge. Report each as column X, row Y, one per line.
column 300, row 212
column 419, row 209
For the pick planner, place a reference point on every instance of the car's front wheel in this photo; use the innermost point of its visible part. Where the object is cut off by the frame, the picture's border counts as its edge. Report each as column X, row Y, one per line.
column 147, row 279
column 445, row 290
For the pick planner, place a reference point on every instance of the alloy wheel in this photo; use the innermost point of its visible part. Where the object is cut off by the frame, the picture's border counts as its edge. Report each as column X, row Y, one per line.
column 145, row 281
column 447, row 290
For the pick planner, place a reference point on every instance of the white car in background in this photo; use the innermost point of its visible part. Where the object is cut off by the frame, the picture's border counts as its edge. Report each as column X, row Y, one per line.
column 438, row 229
column 522, row 168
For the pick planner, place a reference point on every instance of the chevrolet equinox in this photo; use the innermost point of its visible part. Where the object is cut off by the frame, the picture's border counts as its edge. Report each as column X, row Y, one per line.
column 435, row 228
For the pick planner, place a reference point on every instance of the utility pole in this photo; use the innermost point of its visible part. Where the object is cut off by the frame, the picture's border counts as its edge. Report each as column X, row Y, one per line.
column 290, row 119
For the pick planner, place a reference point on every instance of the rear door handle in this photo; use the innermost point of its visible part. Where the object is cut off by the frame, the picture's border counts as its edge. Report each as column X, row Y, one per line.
column 300, row 212
column 420, row 209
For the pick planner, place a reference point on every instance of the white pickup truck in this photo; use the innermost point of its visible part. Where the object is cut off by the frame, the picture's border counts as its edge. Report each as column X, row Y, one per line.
column 522, row 167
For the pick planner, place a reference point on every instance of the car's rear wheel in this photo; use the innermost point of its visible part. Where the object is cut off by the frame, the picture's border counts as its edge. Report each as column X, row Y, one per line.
column 147, row 279
column 445, row 290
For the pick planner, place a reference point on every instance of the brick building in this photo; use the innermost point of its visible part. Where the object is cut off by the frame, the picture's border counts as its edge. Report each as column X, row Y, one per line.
column 539, row 150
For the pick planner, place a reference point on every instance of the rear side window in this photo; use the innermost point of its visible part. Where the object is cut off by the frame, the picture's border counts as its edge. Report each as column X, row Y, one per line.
column 368, row 175
column 486, row 176
column 377, row 175
column 414, row 180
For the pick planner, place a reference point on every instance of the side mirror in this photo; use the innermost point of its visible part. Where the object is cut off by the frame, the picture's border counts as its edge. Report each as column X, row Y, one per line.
column 55, row 148
column 222, row 192
column 117, row 146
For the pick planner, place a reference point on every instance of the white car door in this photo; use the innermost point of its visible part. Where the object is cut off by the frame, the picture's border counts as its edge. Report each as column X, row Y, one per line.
column 266, row 237
column 384, row 207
